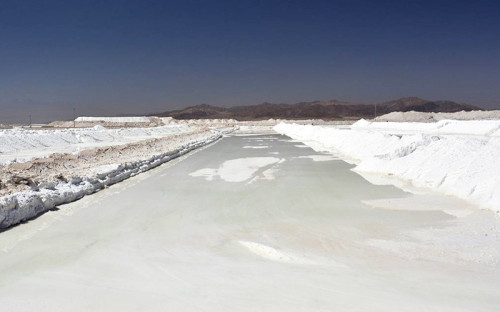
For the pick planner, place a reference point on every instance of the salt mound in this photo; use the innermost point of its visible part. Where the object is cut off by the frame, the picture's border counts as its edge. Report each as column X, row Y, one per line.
column 464, row 127
column 430, row 117
column 30, row 143
column 465, row 166
column 115, row 119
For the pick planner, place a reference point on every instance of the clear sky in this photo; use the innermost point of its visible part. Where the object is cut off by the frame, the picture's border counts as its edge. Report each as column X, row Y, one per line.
column 110, row 57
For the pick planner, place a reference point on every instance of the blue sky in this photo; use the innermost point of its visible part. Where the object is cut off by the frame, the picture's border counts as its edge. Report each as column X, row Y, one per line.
column 111, row 57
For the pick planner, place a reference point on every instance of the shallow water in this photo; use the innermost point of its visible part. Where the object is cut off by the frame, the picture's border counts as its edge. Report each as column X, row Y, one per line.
column 277, row 227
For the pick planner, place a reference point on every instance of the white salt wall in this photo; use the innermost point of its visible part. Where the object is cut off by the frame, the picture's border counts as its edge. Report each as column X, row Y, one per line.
column 465, row 127
column 26, row 205
column 460, row 158
column 115, row 119
column 15, row 144
column 421, row 116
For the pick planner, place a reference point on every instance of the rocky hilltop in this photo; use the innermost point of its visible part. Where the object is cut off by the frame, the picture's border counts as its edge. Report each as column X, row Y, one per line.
column 333, row 109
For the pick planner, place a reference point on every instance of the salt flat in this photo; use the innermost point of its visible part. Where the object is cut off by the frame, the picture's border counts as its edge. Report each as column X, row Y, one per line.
column 290, row 233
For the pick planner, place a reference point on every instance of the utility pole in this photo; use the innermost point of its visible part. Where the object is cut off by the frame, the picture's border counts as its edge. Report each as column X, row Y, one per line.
column 30, row 121
column 74, row 117
column 375, row 111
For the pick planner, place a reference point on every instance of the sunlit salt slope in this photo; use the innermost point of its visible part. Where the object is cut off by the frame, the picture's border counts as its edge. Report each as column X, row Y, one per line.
column 460, row 158
column 15, row 144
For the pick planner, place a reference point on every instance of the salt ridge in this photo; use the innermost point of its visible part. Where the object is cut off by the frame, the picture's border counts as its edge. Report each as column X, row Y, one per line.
column 458, row 158
column 13, row 141
column 116, row 119
column 26, row 205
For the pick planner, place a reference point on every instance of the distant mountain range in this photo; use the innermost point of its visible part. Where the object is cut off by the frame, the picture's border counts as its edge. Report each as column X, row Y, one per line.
column 317, row 109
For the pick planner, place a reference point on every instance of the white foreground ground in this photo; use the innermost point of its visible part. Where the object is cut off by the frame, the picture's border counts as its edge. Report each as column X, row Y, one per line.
column 254, row 223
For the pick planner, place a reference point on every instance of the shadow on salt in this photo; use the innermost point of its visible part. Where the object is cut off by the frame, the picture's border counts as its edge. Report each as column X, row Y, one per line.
column 418, row 199
column 318, row 157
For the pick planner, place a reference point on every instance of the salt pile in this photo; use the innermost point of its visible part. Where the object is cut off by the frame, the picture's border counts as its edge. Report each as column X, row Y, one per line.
column 25, row 205
column 14, row 141
column 115, row 119
column 430, row 117
column 464, row 127
column 458, row 158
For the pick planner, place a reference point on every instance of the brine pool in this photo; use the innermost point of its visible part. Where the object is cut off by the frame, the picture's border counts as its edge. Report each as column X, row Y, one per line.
column 254, row 223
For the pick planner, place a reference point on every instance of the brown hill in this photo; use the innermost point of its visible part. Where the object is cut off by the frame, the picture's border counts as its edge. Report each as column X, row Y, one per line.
column 317, row 109
column 422, row 105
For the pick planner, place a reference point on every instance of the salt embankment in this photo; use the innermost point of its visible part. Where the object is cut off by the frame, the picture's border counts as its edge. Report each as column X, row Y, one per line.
column 115, row 119
column 23, row 144
column 41, row 184
column 458, row 158
column 414, row 116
